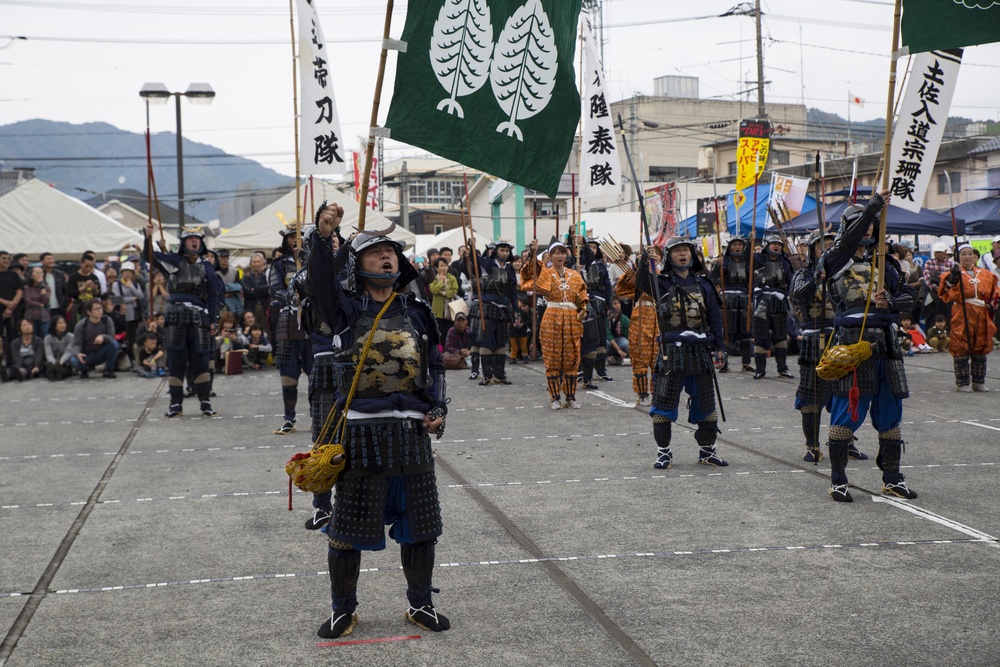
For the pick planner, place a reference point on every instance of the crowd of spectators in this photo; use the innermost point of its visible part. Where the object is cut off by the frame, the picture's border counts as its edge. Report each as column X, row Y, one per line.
column 108, row 317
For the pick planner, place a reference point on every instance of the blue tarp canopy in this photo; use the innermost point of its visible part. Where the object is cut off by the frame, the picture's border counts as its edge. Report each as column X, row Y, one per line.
column 689, row 227
column 899, row 221
column 982, row 216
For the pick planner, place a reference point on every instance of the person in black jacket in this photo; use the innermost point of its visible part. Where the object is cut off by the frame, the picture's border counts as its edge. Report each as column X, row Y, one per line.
column 55, row 278
column 27, row 354
column 769, row 324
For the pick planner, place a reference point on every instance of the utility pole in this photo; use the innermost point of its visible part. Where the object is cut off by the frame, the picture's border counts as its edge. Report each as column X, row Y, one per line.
column 404, row 199
column 633, row 130
column 761, row 111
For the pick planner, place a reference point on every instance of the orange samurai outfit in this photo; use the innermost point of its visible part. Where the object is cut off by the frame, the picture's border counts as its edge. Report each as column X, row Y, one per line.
column 970, row 345
column 560, row 330
column 642, row 332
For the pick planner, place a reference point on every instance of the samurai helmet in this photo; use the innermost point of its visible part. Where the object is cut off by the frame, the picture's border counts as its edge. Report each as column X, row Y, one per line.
column 368, row 239
column 735, row 239
column 187, row 232
column 676, row 242
column 852, row 214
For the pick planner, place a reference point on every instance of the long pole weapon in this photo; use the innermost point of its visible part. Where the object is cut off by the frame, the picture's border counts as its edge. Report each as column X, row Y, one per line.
column 534, row 279
column 722, row 262
column 753, row 238
column 818, row 174
column 295, row 123
column 961, row 287
column 374, row 119
column 473, row 250
column 887, row 145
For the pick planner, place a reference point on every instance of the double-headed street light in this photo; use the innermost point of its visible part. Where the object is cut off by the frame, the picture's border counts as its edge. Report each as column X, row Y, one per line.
column 157, row 93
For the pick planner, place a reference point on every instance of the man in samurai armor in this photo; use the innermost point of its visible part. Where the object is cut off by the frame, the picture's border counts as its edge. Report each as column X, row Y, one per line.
column 815, row 314
column 643, row 329
column 397, row 400
column 690, row 329
column 498, row 282
column 293, row 355
column 561, row 327
column 190, row 318
column 879, row 382
column 733, row 272
column 769, row 323
column 593, row 345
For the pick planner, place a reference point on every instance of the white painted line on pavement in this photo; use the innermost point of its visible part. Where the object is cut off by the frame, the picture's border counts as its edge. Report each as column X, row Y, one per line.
column 611, row 399
column 937, row 518
column 992, row 428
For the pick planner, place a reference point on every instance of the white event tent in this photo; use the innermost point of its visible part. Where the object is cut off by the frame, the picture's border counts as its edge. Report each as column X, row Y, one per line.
column 260, row 231
column 37, row 218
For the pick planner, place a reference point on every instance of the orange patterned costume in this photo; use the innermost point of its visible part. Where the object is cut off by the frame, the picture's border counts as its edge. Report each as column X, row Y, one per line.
column 560, row 330
column 642, row 332
column 970, row 345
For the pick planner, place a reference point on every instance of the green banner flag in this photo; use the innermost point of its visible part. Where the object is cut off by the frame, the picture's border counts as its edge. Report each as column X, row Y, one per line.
column 933, row 25
column 490, row 84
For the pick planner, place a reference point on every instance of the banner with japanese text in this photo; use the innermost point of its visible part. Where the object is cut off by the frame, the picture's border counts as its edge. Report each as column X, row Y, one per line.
column 373, row 178
column 788, row 194
column 321, row 146
column 490, row 84
column 711, row 215
column 919, row 129
column 600, row 167
column 751, row 151
column 662, row 212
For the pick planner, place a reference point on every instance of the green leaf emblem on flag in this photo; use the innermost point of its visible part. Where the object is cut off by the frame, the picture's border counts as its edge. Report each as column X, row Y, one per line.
column 520, row 126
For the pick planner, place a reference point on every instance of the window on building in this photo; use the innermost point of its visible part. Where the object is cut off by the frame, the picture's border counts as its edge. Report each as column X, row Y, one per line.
column 438, row 191
column 438, row 229
column 956, row 183
column 732, row 168
column 780, row 158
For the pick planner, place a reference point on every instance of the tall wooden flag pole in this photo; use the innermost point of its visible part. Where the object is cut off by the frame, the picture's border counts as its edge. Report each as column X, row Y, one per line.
column 722, row 264
column 880, row 258
column 374, row 119
column 295, row 119
column 534, row 278
column 472, row 235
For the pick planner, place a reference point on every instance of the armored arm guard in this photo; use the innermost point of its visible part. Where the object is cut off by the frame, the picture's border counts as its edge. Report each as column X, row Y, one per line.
column 903, row 298
column 276, row 282
column 803, row 286
column 851, row 233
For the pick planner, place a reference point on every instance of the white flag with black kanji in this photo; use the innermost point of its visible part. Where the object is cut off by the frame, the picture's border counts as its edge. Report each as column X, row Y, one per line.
column 600, row 168
column 321, row 143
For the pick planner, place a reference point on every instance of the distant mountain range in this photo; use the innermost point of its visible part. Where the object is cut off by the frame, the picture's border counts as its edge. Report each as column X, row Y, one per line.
column 93, row 158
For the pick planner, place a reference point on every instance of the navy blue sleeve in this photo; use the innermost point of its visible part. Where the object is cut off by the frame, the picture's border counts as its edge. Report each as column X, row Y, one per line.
column 713, row 311
column 332, row 303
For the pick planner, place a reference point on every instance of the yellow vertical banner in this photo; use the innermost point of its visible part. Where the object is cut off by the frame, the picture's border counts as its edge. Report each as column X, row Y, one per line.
column 754, row 141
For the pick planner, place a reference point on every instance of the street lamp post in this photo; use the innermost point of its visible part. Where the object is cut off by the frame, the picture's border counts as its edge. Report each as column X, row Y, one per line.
column 157, row 93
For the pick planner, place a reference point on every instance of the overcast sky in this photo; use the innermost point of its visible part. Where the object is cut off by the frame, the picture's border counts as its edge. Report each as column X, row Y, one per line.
column 85, row 61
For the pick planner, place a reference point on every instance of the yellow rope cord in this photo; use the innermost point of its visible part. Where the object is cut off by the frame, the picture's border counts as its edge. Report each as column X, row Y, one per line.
column 839, row 360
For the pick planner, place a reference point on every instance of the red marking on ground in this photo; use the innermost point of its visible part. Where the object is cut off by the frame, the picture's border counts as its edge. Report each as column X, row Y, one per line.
column 352, row 642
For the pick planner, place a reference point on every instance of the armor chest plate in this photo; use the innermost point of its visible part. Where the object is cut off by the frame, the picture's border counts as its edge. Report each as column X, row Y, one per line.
column 737, row 272
column 813, row 311
column 772, row 275
column 393, row 361
column 849, row 290
column 592, row 277
column 683, row 308
column 497, row 279
column 190, row 278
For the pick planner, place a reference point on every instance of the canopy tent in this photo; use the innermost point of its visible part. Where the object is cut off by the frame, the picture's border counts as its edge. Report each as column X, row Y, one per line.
column 899, row 221
column 260, row 230
column 37, row 218
column 748, row 217
column 982, row 216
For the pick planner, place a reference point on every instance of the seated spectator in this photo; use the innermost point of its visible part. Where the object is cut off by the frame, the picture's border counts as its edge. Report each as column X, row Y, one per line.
column 230, row 339
column 114, row 308
column 26, row 354
column 459, row 340
column 151, row 357
column 937, row 335
column 258, row 348
column 160, row 293
column 912, row 336
column 58, row 350
column 618, row 324
column 248, row 320
column 94, row 342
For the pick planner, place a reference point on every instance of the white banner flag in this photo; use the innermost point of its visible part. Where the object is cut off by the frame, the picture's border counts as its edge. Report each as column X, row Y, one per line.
column 920, row 125
column 321, row 145
column 600, row 168
column 788, row 193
